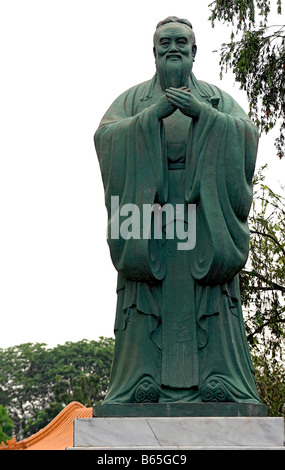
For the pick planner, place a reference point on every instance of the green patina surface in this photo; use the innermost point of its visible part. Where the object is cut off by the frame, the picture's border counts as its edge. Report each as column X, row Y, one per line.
column 179, row 328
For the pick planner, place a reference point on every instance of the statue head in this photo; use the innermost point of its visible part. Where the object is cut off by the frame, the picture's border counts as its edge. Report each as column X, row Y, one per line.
column 174, row 51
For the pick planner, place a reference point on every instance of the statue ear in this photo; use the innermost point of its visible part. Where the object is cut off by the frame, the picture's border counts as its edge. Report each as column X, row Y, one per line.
column 194, row 50
column 154, row 52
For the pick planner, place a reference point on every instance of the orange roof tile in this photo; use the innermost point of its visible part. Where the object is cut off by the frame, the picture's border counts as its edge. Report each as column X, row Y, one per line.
column 57, row 435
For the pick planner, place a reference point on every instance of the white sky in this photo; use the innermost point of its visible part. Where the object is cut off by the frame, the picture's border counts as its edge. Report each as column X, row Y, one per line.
column 63, row 62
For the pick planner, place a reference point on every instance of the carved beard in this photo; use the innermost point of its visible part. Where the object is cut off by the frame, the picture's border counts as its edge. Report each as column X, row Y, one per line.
column 173, row 73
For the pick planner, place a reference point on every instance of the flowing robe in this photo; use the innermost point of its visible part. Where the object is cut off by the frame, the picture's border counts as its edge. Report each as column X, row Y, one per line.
column 179, row 327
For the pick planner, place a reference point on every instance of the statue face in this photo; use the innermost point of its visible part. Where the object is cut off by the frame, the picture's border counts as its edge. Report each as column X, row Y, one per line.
column 174, row 51
column 174, row 41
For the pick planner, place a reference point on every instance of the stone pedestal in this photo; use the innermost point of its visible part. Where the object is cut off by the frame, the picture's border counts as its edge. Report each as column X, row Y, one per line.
column 177, row 410
column 178, row 433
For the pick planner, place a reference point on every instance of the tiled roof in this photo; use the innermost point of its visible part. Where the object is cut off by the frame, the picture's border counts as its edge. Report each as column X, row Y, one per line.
column 57, row 435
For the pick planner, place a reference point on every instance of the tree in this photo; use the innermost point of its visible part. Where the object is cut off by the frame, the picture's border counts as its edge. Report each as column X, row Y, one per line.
column 25, row 382
column 83, row 371
column 256, row 54
column 270, row 378
column 263, row 278
column 6, row 425
column 263, row 293
column 36, row 383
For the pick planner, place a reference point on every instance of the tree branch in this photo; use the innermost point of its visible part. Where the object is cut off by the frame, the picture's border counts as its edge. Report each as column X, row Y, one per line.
column 274, row 285
column 269, row 236
column 260, row 328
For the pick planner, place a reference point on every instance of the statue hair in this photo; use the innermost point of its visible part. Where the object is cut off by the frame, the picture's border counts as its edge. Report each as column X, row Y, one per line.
column 174, row 19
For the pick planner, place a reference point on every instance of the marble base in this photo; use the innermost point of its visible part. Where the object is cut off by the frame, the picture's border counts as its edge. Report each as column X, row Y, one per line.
column 178, row 433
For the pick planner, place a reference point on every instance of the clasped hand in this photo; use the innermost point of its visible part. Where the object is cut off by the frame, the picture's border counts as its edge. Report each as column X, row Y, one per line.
column 178, row 98
column 184, row 100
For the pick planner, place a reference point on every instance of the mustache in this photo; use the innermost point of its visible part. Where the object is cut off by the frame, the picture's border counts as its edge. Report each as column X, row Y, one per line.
column 173, row 54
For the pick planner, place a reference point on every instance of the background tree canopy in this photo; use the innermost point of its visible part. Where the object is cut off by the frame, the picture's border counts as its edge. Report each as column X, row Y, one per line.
column 36, row 383
column 262, row 283
column 256, row 55
column 263, row 278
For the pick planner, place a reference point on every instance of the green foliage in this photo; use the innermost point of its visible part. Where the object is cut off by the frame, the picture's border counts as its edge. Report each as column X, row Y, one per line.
column 40, row 419
column 36, row 383
column 263, row 294
column 263, row 279
column 256, row 54
column 270, row 377
column 6, row 425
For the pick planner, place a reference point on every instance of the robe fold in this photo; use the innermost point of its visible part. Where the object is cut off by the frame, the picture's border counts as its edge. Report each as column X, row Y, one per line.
column 179, row 326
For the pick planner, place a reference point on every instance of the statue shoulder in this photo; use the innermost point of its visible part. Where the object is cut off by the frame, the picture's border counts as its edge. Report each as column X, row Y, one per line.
column 141, row 91
column 126, row 103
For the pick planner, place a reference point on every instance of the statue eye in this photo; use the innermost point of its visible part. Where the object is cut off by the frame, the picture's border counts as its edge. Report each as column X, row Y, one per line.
column 182, row 42
column 164, row 43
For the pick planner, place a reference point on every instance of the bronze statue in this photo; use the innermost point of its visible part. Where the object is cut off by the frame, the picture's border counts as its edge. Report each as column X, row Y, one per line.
column 175, row 141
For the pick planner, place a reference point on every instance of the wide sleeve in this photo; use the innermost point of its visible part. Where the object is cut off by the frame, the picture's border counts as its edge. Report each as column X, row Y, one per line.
column 219, row 171
column 133, row 166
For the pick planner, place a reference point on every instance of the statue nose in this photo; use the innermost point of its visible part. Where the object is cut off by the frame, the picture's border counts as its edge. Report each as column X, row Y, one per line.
column 173, row 48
